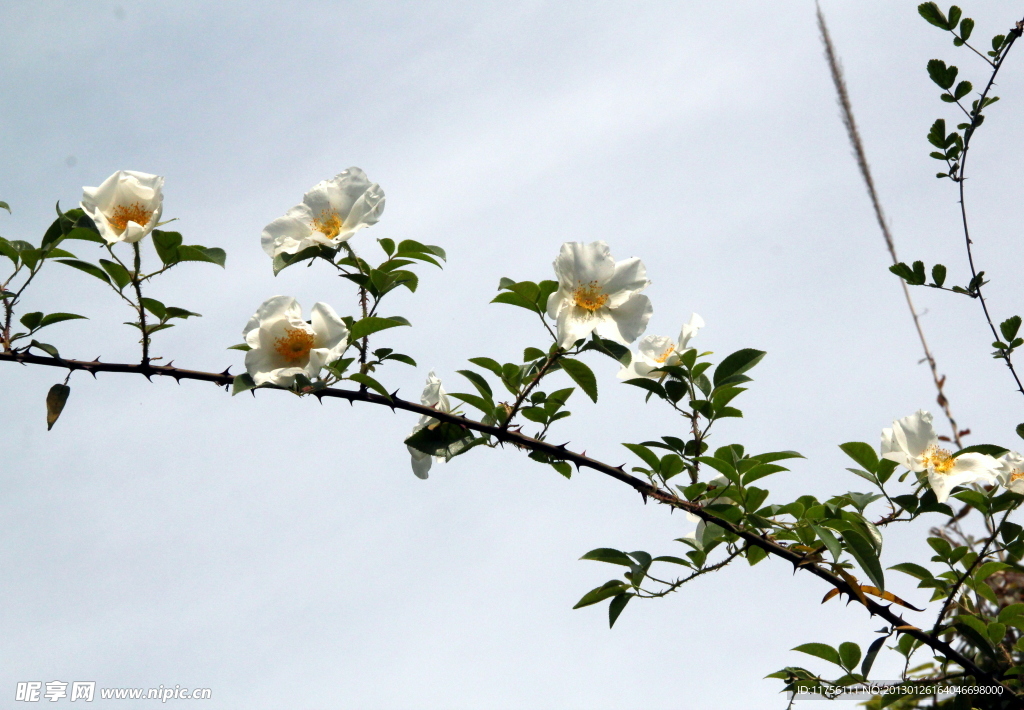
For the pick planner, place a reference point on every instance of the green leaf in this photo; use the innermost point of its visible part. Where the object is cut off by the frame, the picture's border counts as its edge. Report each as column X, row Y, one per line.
column 194, row 252
column 488, row 364
column 617, row 605
column 1009, row 327
column 609, row 555
column 175, row 312
column 829, row 540
column 514, row 299
column 931, row 12
column 32, row 320
column 962, row 89
column 938, row 274
column 368, row 381
column 736, row 364
column 241, row 346
column 937, row 137
column 45, row 347
column 987, row 449
column 242, row 383
column 52, row 318
column 88, row 268
column 651, row 386
column 166, row 244
column 863, row 454
column 599, row 594
column 157, row 308
column 85, row 235
column 4, row 205
column 941, row 74
column 849, row 653
column 966, row 28
column 56, row 398
column 864, row 552
column 869, row 657
column 118, row 273
column 581, row 375
column 822, row 651
column 914, row 570
column 479, row 382
column 388, row 245
column 371, row 324
column 648, row 456
column 954, row 17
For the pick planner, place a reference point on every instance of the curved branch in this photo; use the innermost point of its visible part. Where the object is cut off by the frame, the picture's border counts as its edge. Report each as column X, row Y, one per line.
column 647, row 490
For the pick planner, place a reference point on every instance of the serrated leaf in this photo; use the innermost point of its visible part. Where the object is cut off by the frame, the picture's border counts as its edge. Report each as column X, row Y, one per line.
column 1009, row 327
column 609, row 555
column 736, row 364
column 195, row 252
column 618, row 603
column 88, row 268
column 931, row 12
column 369, row 325
column 582, row 375
column 822, row 651
column 368, row 381
column 938, row 274
column 56, row 398
column 85, row 235
column 864, row 552
column 242, row 383
column 599, row 594
column 52, row 318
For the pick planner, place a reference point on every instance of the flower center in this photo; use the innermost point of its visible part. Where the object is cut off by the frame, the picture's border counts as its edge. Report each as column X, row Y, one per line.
column 589, row 296
column 327, row 223
column 123, row 214
column 665, row 355
column 938, row 460
column 1016, row 475
column 294, row 345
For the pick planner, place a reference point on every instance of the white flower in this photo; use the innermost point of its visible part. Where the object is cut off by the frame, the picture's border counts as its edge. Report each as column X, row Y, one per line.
column 283, row 345
column 330, row 213
column 912, row 443
column 1011, row 471
column 597, row 295
column 656, row 351
column 697, row 535
column 126, row 206
column 433, row 396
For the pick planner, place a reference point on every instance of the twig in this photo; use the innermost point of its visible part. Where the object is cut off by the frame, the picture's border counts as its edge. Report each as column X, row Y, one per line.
column 648, row 490
column 865, row 170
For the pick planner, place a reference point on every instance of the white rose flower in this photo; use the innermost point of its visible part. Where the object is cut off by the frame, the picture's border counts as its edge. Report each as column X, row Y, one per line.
column 595, row 294
column 913, row 443
column 656, row 351
column 283, row 345
column 126, row 206
column 1011, row 471
column 433, row 396
column 330, row 213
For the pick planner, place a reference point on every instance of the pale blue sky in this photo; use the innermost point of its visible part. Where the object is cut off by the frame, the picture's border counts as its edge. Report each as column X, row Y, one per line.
column 282, row 553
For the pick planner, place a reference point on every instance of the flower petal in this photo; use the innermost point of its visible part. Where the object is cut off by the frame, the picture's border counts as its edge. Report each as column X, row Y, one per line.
column 578, row 263
column 629, row 278
column 630, row 320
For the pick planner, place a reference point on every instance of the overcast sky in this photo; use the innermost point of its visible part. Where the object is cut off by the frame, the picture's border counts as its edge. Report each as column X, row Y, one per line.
column 281, row 552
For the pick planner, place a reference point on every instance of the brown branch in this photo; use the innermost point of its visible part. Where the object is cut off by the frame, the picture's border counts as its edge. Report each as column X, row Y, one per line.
column 976, row 119
column 647, row 490
column 865, row 170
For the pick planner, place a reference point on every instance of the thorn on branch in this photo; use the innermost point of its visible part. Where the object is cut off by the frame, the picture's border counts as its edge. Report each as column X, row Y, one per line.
column 227, row 371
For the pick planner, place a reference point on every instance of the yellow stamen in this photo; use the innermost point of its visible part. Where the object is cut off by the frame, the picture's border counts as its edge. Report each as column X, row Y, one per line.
column 665, row 355
column 134, row 212
column 295, row 344
column 328, row 224
column 589, row 296
column 1016, row 475
column 938, row 460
